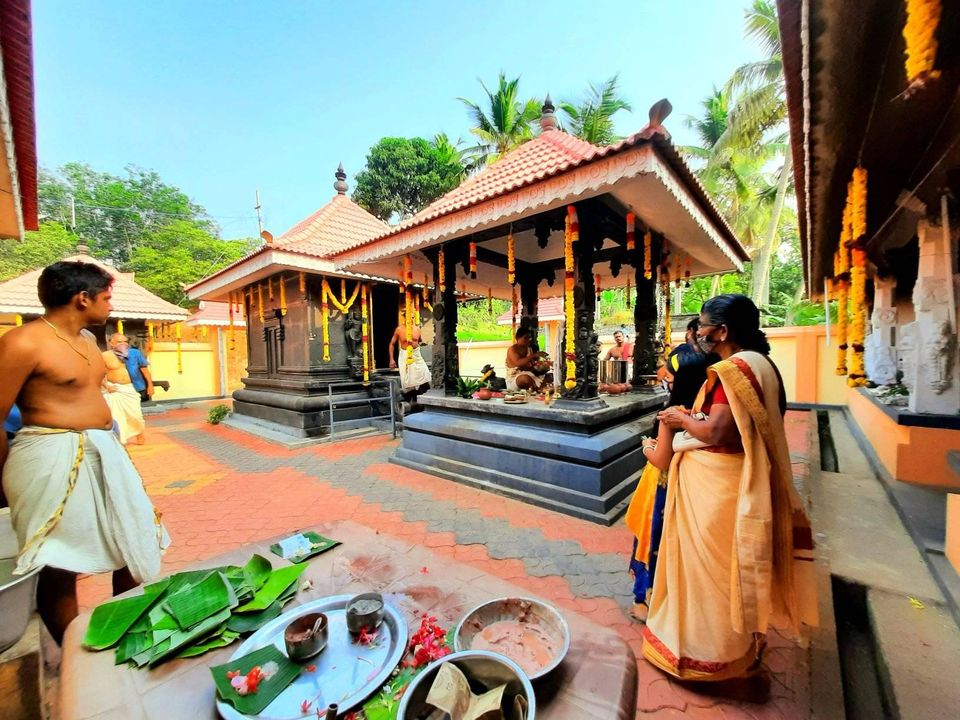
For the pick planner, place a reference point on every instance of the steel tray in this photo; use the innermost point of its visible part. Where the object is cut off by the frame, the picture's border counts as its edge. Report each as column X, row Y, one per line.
column 346, row 672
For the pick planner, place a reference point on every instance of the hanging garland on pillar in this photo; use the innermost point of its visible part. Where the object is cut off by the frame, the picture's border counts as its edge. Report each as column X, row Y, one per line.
column 511, row 259
column 443, row 271
column 473, row 261
column 858, row 276
column 283, row 296
column 303, row 284
column 920, row 35
column 365, row 334
column 570, row 237
column 409, row 327
column 631, row 233
column 841, row 276
column 325, row 320
column 677, row 271
column 647, row 257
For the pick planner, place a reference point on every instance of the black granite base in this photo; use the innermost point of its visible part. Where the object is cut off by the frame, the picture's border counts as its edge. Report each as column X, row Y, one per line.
column 584, row 463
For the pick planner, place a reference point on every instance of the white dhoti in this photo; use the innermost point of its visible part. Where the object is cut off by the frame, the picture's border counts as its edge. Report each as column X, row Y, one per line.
column 413, row 374
column 77, row 503
column 513, row 373
column 124, row 405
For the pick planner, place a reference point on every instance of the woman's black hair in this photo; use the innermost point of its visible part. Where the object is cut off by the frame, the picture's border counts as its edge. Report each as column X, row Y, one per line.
column 60, row 282
column 741, row 318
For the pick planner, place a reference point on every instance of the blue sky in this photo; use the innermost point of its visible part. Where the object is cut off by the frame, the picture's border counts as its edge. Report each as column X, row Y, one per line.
column 222, row 98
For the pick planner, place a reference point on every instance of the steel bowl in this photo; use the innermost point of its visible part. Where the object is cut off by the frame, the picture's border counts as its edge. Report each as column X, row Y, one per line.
column 520, row 609
column 485, row 671
column 300, row 641
column 358, row 621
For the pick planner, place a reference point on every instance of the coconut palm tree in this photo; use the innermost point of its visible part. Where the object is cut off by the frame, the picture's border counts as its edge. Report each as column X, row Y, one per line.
column 592, row 118
column 505, row 124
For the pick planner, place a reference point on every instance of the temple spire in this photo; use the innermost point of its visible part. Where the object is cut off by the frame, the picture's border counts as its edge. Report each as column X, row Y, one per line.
column 548, row 121
column 341, row 184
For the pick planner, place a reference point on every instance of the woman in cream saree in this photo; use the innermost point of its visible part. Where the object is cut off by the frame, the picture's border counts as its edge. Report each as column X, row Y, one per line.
column 736, row 554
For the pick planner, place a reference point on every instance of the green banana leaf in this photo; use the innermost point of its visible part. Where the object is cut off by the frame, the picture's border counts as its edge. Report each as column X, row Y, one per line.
column 181, row 638
column 258, row 569
column 198, row 602
column 279, row 581
column 268, row 690
column 248, row 622
column 222, row 639
column 111, row 620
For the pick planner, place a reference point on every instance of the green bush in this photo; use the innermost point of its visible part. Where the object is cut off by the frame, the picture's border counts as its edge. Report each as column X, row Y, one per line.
column 217, row 414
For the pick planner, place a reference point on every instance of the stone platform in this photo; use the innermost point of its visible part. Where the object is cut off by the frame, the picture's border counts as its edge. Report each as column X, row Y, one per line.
column 581, row 462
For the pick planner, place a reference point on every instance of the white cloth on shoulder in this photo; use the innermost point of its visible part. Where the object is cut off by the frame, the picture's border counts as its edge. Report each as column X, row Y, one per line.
column 78, row 503
column 124, row 404
column 414, row 374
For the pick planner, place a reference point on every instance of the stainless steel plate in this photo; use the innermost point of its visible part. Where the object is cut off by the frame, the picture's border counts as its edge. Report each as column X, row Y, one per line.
column 346, row 672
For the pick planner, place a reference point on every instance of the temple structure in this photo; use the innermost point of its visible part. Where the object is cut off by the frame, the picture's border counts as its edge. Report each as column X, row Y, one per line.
column 556, row 212
column 872, row 97
column 315, row 334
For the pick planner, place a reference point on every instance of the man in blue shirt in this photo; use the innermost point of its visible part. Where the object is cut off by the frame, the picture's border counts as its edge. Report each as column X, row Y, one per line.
column 137, row 365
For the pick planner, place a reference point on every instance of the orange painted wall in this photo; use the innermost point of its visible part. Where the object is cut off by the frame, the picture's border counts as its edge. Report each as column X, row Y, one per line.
column 910, row 454
column 953, row 531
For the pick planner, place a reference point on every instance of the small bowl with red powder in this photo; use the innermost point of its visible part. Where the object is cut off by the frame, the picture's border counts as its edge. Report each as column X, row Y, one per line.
column 531, row 633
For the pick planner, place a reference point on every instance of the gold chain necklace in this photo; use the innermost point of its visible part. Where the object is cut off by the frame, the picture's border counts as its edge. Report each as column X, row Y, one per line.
column 85, row 356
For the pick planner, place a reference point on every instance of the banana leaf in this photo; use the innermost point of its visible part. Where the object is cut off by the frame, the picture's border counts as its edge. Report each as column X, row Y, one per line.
column 198, row 602
column 182, row 638
column 157, row 588
column 258, row 569
column 248, row 622
column 133, row 644
column 155, row 619
column 268, row 690
column 279, row 581
column 111, row 620
column 217, row 640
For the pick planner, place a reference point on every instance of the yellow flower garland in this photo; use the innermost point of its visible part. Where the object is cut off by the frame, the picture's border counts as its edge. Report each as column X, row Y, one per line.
column 325, row 320
column 120, row 326
column 647, row 244
column 920, row 34
column 365, row 334
column 283, row 296
column 473, row 261
column 18, row 320
column 858, row 276
column 409, row 327
column 443, row 271
column 269, row 288
column 511, row 259
column 570, row 237
column 841, row 270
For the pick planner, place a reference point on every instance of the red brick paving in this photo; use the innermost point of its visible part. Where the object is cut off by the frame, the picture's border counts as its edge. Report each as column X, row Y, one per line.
column 222, row 508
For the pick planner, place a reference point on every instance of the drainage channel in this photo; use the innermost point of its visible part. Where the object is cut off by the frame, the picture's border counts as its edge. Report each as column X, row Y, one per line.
column 828, row 451
column 864, row 695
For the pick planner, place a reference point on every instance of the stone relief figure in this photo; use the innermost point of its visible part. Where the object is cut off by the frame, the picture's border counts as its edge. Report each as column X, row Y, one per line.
column 941, row 350
column 880, row 360
column 353, row 333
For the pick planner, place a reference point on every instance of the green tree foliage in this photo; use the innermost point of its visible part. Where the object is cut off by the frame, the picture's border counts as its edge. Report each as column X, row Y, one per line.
column 592, row 118
column 404, row 175
column 504, row 123
column 180, row 253
column 38, row 249
column 112, row 213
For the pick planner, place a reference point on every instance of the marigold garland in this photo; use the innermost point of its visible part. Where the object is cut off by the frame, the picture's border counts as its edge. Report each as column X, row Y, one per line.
column 511, row 259
column 647, row 257
column 325, row 320
column 841, row 276
column 631, row 232
column 283, row 295
column 303, row 284
column 920, row 34
column 858, row 276
column 443, row 271
column 344, row 306
column 119, row 326
column 570, row 237
column 365, row 334
column 409, row 326
column 473, row 261
column 260, row 301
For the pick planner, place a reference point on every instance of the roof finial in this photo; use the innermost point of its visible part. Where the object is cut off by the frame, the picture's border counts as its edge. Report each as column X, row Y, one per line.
column 82, row 247
column 341, row 184
column 548, row 121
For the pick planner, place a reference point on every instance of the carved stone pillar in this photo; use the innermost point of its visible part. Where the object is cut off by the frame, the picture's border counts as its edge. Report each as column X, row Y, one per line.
column 529, row 299
column 936, row 388
column 880, row 351
column 446, row 354
column 586, row 342
column 645, row 320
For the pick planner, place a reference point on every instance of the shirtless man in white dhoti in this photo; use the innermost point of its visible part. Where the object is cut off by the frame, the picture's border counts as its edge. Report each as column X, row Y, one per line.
column 414, row 373
column 521, row 360
column 122, row 398
column 76, row 501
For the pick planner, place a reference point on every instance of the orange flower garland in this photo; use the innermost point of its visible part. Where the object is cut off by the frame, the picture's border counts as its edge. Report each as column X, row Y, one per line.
column 260, row 301
column 686, row 273
column 920, row 34
column 473, row 261
column 325, row 319
column 858, row 276
column 631, row 232
column 303, row 284
column 443, row 271
column 511, row 259
column 409, row 326
column 647, row 245
column 573, row 232
column 283, row 296
column 841, row 270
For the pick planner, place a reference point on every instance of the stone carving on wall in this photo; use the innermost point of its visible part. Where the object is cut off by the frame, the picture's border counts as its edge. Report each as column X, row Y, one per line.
column 941, row 351
column 907, row 354
column 880, row 355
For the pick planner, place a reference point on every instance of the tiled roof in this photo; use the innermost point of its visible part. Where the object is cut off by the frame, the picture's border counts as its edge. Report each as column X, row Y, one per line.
column 339, row 225
column 547, row 309
column 17, row 53
column 130, row 301
column 552, row 153
column 216, row 314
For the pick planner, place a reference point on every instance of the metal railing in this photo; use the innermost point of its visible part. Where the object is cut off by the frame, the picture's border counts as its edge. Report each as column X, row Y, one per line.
column 355, row 402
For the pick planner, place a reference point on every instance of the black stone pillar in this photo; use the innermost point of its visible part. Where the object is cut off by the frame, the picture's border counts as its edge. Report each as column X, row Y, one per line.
column 446, row 354
column 529, row 298
column 586, row 342
column 645, row 349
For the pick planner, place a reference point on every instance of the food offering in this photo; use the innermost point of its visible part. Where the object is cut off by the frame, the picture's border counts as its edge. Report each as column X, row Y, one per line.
column 515, row 397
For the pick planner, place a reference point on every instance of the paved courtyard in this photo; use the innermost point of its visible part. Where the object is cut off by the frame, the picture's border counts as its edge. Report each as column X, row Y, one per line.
column 218, row 488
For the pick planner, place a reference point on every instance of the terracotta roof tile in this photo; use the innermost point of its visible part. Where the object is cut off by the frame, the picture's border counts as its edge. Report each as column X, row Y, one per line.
column 339, row 225
column 216, row 314
column 130, row 301
column 547, row 309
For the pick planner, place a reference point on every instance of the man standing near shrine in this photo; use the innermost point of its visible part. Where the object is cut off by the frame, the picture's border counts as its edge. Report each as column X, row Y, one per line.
column 138, row 367
column 414, row 373
column 77, row 503
column 622, row 350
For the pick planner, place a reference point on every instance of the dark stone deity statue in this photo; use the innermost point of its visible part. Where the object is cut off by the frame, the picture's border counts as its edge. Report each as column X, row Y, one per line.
column 353, row 338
